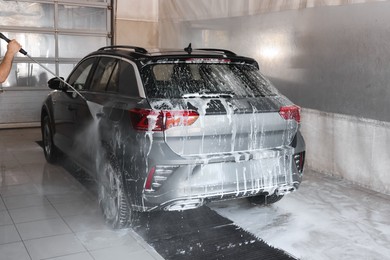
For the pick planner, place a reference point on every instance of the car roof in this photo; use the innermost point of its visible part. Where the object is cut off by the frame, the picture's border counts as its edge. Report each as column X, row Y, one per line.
column 142, row 55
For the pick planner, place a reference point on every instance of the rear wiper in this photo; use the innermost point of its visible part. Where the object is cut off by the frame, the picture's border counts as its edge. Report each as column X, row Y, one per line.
column 225, row 94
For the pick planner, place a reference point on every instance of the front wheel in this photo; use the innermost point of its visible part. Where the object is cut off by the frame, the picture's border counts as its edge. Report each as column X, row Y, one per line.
column 51, row 152
column 112, row 196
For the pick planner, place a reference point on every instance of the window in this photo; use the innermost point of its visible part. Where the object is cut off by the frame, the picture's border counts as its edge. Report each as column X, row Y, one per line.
column 79, row 77
column 176, row 80
column 114, row 80
column 127, row 80
column 103, row 74
column 115, row 76
column 56, row 33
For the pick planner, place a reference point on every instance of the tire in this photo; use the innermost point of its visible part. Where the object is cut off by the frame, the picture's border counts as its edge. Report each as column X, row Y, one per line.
column 113, row 199
column 52, row 153
column 265, row 199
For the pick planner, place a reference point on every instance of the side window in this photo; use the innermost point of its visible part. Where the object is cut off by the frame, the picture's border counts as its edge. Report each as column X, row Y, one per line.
column 103, row 74
column 127, row 81
column 114, row 81
column 79, row 76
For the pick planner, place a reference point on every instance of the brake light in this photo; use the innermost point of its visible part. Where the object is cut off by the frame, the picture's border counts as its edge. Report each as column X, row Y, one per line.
column 149, row 179
column 291, row 112
column 180, row 118
column 160, row 120
column 158, row 175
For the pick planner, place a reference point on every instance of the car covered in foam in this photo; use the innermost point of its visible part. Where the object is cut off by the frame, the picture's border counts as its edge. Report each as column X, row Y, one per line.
column 174, row 129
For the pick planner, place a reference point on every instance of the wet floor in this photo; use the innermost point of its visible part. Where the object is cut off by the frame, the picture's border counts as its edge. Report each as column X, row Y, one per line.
column 47, row 213
column 327, row 218
column 50, row 211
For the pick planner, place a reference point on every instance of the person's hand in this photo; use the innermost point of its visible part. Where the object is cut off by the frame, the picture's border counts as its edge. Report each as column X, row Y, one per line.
column 13, row 47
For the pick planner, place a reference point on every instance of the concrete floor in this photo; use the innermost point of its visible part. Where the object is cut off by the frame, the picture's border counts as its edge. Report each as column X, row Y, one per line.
column 45, row 213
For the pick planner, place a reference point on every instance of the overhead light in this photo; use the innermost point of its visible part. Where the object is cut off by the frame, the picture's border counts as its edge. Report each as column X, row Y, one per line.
column 270, row 52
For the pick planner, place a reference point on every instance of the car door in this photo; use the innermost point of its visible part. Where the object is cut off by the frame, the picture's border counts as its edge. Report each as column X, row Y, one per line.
column 89, row 114
column 122, row 94
column 71, row 106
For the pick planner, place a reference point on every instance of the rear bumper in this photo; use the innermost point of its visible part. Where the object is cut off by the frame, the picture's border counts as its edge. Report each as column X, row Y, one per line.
column 209, row 179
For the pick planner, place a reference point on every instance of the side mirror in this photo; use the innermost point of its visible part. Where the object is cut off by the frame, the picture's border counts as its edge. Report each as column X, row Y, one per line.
column 56, row 83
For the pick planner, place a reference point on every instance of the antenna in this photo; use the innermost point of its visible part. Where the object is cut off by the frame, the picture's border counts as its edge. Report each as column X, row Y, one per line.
column 188, row 49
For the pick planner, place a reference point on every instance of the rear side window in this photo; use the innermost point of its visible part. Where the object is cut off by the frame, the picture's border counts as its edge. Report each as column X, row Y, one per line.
column 167, row 80
column 127, row 81
column 103, row 73
column 115, row 76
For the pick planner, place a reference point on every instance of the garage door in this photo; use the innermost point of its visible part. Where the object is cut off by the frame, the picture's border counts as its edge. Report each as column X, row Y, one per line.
column 55, row 34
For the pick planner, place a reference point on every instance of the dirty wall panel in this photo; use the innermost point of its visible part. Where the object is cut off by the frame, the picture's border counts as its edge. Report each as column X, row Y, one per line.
column 353, row 148
column 145, row 10
column 136, row 23
column 137, row 33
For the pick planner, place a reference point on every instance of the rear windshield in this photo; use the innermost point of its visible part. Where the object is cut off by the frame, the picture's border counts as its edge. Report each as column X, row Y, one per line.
column 168, row 80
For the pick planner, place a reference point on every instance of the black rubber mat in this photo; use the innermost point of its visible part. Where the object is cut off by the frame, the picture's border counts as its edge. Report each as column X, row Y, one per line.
column 202, row 234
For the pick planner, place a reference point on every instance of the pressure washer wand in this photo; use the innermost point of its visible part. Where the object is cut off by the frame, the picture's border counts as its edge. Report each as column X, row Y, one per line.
column 22, row 51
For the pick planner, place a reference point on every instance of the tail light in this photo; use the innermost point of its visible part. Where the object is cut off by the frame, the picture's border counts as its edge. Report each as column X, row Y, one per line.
column 291, row 112
column 157, row 176
column 160, row 120
column 149, row 179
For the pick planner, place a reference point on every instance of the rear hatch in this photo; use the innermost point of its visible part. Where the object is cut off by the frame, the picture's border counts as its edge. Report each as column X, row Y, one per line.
column 210, row 107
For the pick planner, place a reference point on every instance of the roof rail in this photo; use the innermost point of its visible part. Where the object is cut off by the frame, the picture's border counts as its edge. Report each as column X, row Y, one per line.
column 135, row 48
column 226, row 52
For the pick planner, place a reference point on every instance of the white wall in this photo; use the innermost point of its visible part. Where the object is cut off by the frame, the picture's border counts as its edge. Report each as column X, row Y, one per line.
column 136, row 23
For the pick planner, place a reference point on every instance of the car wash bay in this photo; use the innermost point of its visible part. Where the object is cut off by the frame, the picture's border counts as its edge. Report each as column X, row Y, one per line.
column 329, row 57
